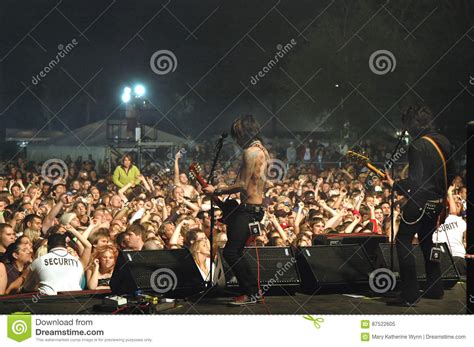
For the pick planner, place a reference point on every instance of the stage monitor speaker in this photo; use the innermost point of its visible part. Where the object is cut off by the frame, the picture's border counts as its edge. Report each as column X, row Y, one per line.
column 171, row 273
column 449, row 273
column 278, row 271
column 333, row 268
column 370, row 242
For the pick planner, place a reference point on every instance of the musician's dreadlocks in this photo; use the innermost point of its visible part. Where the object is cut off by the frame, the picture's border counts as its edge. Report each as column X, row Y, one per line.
column 245, row 129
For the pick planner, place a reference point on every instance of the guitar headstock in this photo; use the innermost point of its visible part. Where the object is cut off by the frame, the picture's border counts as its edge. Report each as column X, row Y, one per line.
column 194, row 169
column 195, row 173
column 358, row 157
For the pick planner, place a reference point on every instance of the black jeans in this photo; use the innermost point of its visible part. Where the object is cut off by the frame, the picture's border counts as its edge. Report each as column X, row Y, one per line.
column 460, row 264
column 237, row 235
column 424, row 228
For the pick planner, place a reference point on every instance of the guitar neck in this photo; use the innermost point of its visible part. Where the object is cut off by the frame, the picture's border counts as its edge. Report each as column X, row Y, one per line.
column 375, row 170
column 363, row 159
column 204, row 184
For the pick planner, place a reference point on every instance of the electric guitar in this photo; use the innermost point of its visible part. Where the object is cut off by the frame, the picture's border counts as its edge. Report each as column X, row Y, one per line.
column 227, row 206
column 364, row 160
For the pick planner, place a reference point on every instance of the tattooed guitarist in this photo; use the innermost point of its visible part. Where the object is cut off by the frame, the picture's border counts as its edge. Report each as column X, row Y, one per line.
column 245, row 219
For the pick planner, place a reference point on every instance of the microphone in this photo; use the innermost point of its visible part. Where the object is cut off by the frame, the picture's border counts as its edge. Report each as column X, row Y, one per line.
column 220, row 141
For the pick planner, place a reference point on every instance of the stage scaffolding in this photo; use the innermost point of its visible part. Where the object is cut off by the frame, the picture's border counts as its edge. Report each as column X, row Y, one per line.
column 129, row 136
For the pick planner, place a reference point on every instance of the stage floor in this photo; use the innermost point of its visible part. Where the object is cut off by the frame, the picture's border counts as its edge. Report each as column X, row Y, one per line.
column 452, row 303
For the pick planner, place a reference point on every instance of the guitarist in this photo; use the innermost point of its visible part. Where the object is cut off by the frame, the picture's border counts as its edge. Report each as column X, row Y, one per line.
column 250, row 184
column 430, row 173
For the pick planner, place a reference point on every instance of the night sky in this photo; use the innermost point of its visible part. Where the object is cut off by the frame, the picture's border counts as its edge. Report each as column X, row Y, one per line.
column 324, row 80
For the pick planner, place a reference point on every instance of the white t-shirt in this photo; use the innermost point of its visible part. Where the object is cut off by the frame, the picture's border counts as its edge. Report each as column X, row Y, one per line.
column 455, row 227
column 307, row 154
column 291, row 154
column 54, row 272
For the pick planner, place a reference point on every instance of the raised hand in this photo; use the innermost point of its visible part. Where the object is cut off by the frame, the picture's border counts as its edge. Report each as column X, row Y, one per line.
column 389, row 179
column 451, row 189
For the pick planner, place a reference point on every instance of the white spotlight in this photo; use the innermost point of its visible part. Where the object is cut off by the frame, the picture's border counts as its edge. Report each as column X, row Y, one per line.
column 139, row 90
column 126, row 97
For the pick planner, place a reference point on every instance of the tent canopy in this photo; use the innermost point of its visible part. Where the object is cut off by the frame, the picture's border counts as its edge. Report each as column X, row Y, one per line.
column 95, row 134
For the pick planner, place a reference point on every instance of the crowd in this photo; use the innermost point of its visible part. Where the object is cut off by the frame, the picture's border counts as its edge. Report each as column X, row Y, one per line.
column 64, row 232
column 300, row 151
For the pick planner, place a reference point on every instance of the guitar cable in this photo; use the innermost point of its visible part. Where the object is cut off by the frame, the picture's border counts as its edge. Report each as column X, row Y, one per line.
column 258, row 277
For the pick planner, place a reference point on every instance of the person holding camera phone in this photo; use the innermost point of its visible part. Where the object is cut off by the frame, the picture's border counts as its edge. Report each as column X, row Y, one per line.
column 246, row 218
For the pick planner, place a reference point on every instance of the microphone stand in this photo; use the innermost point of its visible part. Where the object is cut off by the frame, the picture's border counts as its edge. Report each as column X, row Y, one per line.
column 392, row 197
column 210, row 179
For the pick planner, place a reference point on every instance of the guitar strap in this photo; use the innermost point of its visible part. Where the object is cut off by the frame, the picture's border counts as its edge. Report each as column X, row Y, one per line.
column 441, row 155
column 442, row 216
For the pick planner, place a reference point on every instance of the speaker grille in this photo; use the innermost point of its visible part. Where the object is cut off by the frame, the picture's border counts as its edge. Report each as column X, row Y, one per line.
column 135, row 270
column 448, row 270
column 277, row 264
column 334, row 265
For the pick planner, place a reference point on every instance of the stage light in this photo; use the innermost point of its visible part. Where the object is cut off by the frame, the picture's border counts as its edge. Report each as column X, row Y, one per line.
column 126, row 97
column 139, row 90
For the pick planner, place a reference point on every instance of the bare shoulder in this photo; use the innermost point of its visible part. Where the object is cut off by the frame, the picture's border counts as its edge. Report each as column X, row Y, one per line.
column 255, row 153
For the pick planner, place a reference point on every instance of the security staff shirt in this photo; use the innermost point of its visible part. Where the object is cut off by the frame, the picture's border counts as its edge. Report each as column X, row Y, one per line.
column 55, row 272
